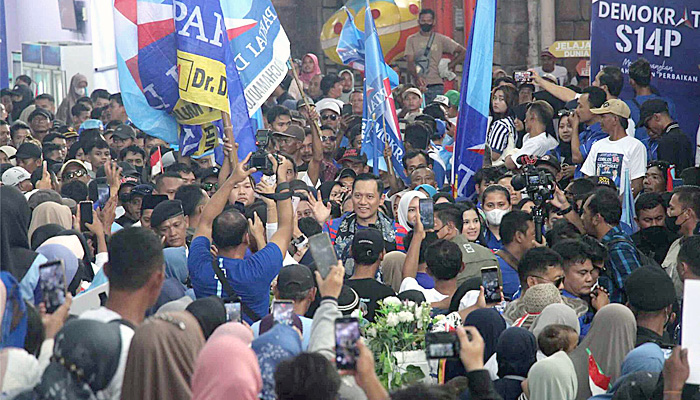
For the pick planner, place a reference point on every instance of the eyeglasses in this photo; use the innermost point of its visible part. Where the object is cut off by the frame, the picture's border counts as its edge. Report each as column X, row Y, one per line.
column 209, row 186
column 556, row 282
column 328, row 138
column 74, row 174
column 332, row 117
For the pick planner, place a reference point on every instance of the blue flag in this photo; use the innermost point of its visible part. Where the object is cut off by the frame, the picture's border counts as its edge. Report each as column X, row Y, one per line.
column 476, row 95
column 351, row 49
column 379, row 122
column 627, row 222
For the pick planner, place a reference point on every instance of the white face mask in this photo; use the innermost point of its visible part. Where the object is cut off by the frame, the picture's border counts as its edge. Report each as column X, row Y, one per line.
column 495, row 216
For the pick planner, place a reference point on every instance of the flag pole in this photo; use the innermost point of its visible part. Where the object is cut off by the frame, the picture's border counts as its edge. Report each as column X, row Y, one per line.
column 301, row 87
column 228, row 133
column 375, row 156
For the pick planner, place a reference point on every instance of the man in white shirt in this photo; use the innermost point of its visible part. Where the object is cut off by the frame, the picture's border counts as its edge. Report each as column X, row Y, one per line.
column 536, row 141
column 613, row 155
column 549, row 66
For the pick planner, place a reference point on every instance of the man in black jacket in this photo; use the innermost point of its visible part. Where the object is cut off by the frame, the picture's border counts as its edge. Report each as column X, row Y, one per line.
column 667, row 142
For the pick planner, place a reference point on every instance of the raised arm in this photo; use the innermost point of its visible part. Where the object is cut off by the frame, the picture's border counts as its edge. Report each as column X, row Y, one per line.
column 410, row 264
column 285, row 212
column 576, row 155
column 314, row 170
column 560, row 92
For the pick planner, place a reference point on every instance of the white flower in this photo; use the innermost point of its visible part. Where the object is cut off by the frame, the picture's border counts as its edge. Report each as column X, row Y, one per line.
column 371, row 332
column 410, row 303
column 392, row 301
column 419, row 312
column 405, row 316
column 356, row 313
column 392, row 319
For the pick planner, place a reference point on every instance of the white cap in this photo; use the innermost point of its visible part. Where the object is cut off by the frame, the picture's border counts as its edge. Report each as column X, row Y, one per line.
column 442, row 99
column 9, row 152
column 328, row 104
column 14, row 176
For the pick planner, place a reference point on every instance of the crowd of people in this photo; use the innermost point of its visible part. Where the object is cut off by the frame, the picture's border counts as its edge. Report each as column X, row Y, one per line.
column 590, row 310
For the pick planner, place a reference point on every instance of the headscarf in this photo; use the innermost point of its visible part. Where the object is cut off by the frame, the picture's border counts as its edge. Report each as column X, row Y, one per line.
column 516, row 351
column 44, row 232
column 403, row 207
column 210, row 313
column 555, row 314
column 647, row 357
column 19, row 106
column 226, row 368
column 85, row 358
column 14, row 313
column 87, row 255
column 51, row 213
column 64, row 110
column 642, row 365
column 326, row 188
column 352, row 76
column 553, row 378
column 176, row 263
column 162, row 357
column 171, row 290
column 306, row 77
column 391, row 269
column 276, row 345
column 490, row 325
column 612, row 335
column 15, row 255
column 236, row 329
column 54, row 252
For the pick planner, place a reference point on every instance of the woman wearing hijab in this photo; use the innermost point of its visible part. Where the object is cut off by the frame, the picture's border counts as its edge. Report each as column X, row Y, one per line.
column 598, row 358
column 274, row 346
column 516, row 352
column 309, row 69
column 236, row 329
column 226, row 369
column 85, row 359
column 553, row 378
column 210, row 313
column 50, row 213
column 54, row 252
column 490, row 325
column 27, row 97
column 408, row 208
column 78, row 89
column 348, row 81
column 555, row 314
column 162, row 357
column 44, row 232
column 642, row 364
column 16, row 257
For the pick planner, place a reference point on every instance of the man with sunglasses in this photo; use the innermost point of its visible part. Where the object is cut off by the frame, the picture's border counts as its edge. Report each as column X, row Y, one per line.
column 517, row 237
column 74, row 170
column 329, row 110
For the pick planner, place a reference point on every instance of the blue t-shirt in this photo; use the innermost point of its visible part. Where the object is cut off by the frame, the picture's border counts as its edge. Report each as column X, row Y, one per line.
column 249, row 278
column 491, row 241
column 588, row 137
column 511, row 281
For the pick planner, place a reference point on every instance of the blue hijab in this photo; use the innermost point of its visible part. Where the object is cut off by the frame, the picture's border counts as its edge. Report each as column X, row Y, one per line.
column 176, row 263
column 641, row 365
column 14, row 317
column 274, row 346
column 516, row 351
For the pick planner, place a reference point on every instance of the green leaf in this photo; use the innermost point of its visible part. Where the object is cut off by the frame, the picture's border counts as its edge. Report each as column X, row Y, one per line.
column 413, row 374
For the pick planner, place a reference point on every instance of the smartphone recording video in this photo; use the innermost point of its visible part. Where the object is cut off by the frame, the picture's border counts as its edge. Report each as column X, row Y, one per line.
column 52, row 282
column 441, row 345
column 347, row 333
column 426, row 213
column 489, row 280
column 323, row 253
column 233, row 312
column 282, row 312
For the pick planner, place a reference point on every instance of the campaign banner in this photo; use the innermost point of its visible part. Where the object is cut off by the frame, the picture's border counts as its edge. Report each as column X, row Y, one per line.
column 664, row 32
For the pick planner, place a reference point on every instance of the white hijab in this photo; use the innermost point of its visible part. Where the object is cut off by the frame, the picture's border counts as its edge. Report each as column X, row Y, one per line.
column 403, row 207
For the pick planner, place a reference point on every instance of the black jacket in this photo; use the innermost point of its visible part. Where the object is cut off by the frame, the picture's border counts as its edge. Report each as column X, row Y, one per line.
column 675, row 148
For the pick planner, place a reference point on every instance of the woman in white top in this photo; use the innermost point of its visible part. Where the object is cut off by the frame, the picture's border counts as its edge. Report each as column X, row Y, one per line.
column 540, row 137
column 502, row 133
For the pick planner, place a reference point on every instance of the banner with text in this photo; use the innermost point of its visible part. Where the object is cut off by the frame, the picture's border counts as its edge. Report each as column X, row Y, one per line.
column 667, row 34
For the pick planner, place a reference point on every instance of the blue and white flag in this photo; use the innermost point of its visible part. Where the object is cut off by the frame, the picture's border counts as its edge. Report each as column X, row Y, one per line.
column 379, row 123
column 476, row 95
column 627, row 221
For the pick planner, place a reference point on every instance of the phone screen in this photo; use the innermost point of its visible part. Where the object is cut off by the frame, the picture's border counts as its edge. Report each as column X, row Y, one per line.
column 667, row 350
column 426, row 213
column 489, row 279
column 233, row 312
column 347, row 333
column 282, row 312
column 102, row 194
column 347, row 109
column 52, row 282
column 323, row 253
column 85, row 215
column 441, row 345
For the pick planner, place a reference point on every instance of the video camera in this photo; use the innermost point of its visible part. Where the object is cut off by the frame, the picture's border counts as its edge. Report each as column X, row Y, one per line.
column 539, row 184
column 260, row 159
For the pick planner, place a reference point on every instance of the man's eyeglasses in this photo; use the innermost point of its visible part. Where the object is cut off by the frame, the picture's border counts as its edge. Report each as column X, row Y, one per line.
column 209, row 186
column 328, row 138
column 557, row 282
column 74, row 174
column 332, row 117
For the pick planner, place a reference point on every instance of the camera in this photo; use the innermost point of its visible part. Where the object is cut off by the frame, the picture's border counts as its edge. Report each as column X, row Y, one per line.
column 442, row 345
column 565, row 113
column 539, row 185
column 260, row 159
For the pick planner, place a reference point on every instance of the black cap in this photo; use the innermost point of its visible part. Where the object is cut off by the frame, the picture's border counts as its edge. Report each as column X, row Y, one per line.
column 28, row 150
column 124, row 131
column 369, row 242
column 142, row 190
column 128, row 169
column 40, row 111
column 150, row 201
column 348, row 300
column 205, row 173
column 649, row 108
column 293, row 279
column 650, row 289
column 166, row 210
column 301, row 103
column 549, row 160
column 130, row 181
column 347, row 172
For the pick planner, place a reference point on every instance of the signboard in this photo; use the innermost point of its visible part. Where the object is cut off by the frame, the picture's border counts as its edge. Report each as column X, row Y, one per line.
column 664, row 32
column 571, row 48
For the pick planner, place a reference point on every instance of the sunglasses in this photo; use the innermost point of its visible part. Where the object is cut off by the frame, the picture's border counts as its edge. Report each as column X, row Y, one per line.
column 209, row 186
column 556, row 282
column 74, row 174
column 332, row 117
column 328, row 138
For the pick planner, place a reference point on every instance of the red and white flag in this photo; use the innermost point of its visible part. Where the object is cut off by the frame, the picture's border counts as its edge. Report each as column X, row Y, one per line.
column 156, row 163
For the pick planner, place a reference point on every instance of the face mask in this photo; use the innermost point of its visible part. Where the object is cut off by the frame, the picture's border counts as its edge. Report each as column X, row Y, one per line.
column 139, row 169
column 671, row 224
column 426, row 27
column 495, row 216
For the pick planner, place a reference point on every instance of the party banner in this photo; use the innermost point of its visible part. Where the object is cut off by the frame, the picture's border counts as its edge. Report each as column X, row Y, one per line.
column 664, row 32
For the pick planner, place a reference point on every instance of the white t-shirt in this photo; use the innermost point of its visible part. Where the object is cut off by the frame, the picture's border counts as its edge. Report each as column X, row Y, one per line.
column 535, row 146
column 431, row 295
column 113, row 391
column 610, row 158
column 559, row 72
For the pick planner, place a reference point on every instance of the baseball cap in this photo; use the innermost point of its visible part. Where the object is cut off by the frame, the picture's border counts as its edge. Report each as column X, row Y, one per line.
column 428, row 189
column 293, row 279
column 142, row 190
column 415, row 91
column 548, row 160
column 328, row 104
column 614, row 106
column 124, row 131
column 301, row 103
column 369, row 242
column 294, row 131
column 150, row 201
column 14, row 176
column 442, row 100
column 639, row 282
column 353, row 155
column 40, row 112
column 649, row 108
column 347, row 172
column 9, row 152
column 453, row 96
column 91, row 124
column 546, row 52
column 69, row 162
column 549, row 77
column 69, row 133
column 28, row 150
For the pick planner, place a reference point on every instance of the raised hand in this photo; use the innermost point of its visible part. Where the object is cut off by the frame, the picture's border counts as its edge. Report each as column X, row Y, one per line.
column 321, row 211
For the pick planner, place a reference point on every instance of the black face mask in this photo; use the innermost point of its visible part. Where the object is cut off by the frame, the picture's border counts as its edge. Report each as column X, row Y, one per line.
column 426, row 27
column 139, row 169
column 671, row 224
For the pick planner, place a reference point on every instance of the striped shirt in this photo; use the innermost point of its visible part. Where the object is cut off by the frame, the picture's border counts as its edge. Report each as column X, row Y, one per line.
column 499, row 132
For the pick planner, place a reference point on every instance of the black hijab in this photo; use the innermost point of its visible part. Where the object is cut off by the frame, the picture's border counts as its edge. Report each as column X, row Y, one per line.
column 210, row 313
column 19, row 106
column 44, row 233
column 15, row 254
column 516, row 352
column 85, row 271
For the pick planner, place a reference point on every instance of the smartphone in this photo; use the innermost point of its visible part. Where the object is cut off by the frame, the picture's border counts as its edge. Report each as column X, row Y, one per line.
column 522, row 76
column 295, row 203
column 85, row 215
column 489, row 279
column 323, row 253
column 347, row 333
column 426, row 213
column 667, row 349
column 283, row 311
column 102, row 194
column 52, row 282
column 233, row 312
column 347, row 109
column 442, row 345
